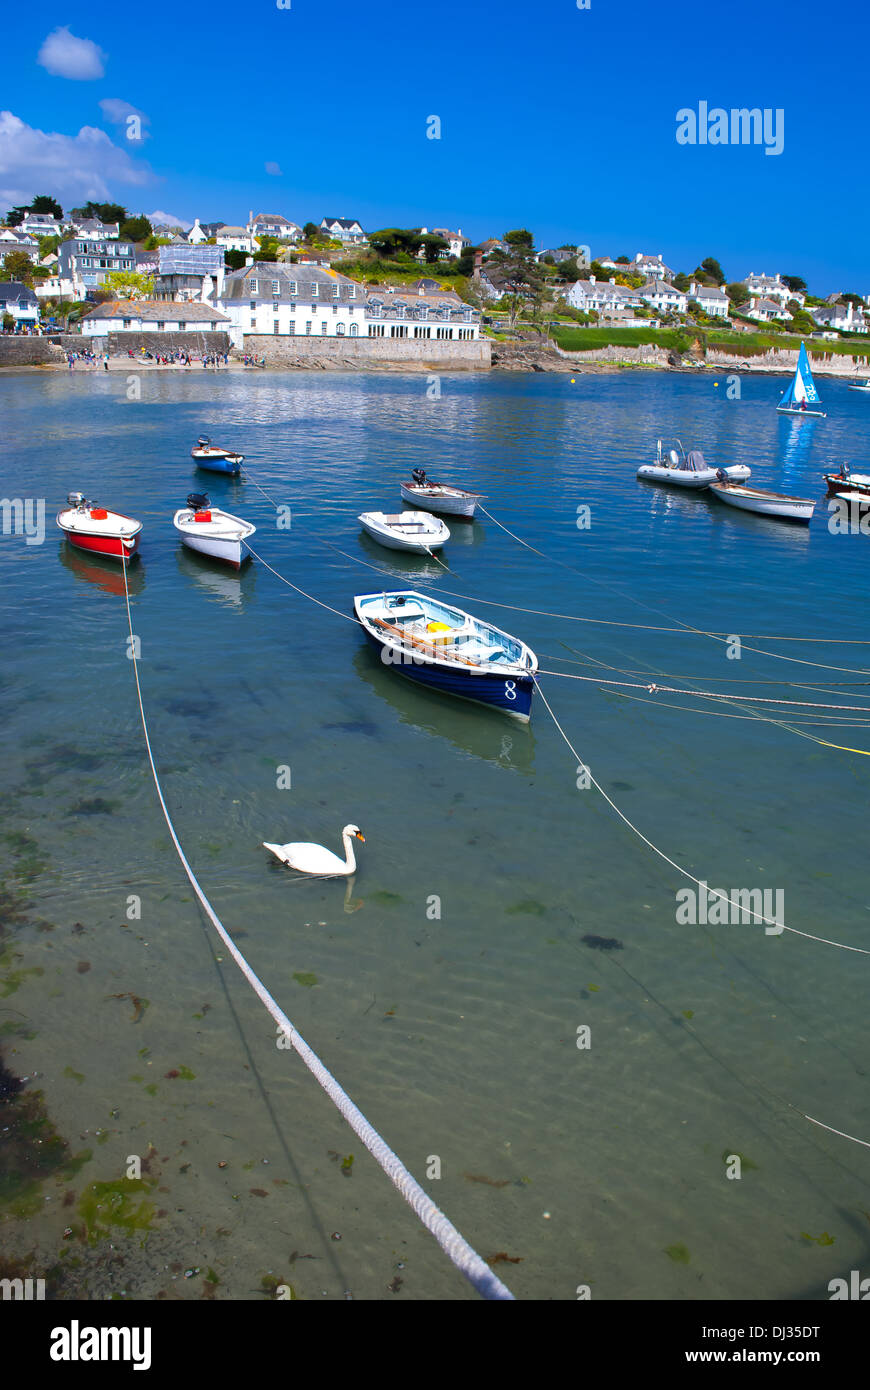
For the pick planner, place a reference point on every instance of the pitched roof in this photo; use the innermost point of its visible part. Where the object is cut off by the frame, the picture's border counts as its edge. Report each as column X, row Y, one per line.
column 13, row 289
column 346, row 222
column 161, row 309
column 236, row 286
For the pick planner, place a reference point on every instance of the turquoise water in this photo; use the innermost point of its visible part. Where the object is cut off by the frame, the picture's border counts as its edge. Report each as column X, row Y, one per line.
column 457, row 1036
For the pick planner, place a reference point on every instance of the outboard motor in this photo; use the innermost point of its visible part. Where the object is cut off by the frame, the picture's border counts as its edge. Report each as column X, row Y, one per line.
column 418, row 475
column 198, row 501
column 721, row 475
column 75, row 499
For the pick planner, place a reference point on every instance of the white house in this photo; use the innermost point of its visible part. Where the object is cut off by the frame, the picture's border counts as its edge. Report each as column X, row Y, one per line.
column 92, row 229
column 19, row 302
column 664, row 297
column 712, row 300
column 152, row 316
column 41, row 224
column 603, row 297
column 273, row 224
column 765, row 310
column 237, row 239
column 420, row 313
column 456, row 242
column 845, row 318
column 653, row 267
column 197, row 235
column 772, row 287
column 288, row 300
column 342, row 229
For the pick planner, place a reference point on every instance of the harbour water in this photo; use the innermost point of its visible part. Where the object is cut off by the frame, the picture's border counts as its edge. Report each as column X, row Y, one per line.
column 500, row 905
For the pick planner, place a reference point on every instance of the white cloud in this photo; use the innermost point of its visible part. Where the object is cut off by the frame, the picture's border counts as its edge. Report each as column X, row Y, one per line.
column 72, row 168
column 273, row 168
column 66, row 56
column 122, row 113
column 166, row 219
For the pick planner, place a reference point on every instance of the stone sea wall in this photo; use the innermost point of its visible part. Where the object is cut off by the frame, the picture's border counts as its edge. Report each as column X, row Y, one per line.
column 27, row 351
column 357, row 354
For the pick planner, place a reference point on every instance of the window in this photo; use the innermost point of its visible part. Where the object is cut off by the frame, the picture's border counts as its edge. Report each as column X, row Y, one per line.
column 376, row 330
column 275, row 327
column 324, row 327
column 335, row 308
column 126, row 323
column 422, row 332
column 354, row 331
column 339, row 330
column 276, row 287
column 183, row 327
column 253, row 322
column 160, row 326
column 314, row 290
column 335, row 290
column 293, row 289
column 352, row 292
column 308, row 328
column 399, row 330
column 253, row 286
column 253, row 305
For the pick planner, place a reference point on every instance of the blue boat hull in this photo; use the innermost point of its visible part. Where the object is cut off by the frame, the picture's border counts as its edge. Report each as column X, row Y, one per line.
column 218, row 466
column 510, row 694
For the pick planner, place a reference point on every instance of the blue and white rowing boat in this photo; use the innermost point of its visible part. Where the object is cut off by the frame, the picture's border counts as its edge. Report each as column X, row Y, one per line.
column 215, row 459
column 801, row 396
column 449, row 650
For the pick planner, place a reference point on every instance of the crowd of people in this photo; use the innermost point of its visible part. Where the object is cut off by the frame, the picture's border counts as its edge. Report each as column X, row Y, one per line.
column 178, row 357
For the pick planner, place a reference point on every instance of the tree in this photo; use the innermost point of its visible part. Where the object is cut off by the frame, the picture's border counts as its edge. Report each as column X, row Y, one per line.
column 310, row 231
column 851, row 299
column 392, row 241
column 47, row 246
column 128, row 284
column 794, row 282
column 737, row 293
column 270, row 249
column 623, row 260
column 105, row 212
column 43, row 202
column 432, row 246
column 712, row 267
column 17, row 266
column 234, row 260
column 522, row 273
column 135, row 228
column 681, row 282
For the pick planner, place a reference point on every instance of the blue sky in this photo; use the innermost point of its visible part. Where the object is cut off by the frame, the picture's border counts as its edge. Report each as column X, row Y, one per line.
column 554, row 118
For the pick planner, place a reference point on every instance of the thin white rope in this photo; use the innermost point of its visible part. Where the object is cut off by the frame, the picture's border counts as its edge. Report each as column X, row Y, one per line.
column 707, row 694
column 463, row 1256
column 831, row 1130
column 713, row 892
column 319, row 602
column 685, row 627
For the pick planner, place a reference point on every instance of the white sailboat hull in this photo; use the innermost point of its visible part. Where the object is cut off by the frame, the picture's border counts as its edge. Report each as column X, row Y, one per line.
column 801, row 414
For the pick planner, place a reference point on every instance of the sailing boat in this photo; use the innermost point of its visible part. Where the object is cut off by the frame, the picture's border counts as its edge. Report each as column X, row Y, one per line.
column 801, row 397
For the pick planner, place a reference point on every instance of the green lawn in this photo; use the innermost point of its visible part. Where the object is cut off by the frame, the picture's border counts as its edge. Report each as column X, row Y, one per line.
column 740, row 344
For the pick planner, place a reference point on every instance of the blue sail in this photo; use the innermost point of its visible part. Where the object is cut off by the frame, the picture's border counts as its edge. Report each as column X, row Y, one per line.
column 802, row 387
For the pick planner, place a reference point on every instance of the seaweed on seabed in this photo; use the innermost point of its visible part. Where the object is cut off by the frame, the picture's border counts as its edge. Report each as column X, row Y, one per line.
column 31, row 1150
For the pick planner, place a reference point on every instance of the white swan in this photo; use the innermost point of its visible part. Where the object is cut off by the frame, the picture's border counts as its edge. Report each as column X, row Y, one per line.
column 314, row 859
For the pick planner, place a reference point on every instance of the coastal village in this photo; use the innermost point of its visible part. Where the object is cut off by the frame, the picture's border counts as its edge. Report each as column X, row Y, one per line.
column 129, row 285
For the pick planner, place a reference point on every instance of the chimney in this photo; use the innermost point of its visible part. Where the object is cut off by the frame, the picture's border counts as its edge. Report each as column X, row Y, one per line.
column 478, row 261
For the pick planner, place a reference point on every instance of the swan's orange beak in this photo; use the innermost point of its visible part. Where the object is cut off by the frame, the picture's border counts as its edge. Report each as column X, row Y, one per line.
column 360, row 836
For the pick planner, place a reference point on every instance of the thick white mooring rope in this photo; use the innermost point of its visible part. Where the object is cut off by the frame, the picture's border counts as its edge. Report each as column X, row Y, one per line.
column 463, row 1256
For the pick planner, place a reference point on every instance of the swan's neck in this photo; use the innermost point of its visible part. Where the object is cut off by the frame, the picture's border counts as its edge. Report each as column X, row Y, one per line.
column 349, row 861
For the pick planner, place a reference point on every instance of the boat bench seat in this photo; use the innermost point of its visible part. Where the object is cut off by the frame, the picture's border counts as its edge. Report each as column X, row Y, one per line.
column 480, row 651
column 408, row 613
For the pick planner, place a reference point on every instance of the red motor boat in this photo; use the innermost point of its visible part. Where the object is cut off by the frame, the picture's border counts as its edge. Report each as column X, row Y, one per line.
column 101, row 532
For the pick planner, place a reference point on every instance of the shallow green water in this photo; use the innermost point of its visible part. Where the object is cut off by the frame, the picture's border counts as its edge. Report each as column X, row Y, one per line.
column 458, row 1036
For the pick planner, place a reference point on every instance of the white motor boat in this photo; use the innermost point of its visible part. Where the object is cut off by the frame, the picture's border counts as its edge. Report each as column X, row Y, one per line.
column 97, row 530
column 419, row 532
column 438, row 497
column 756, row 499
column 860, row 386
column 690, row 470
column 211, row 531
